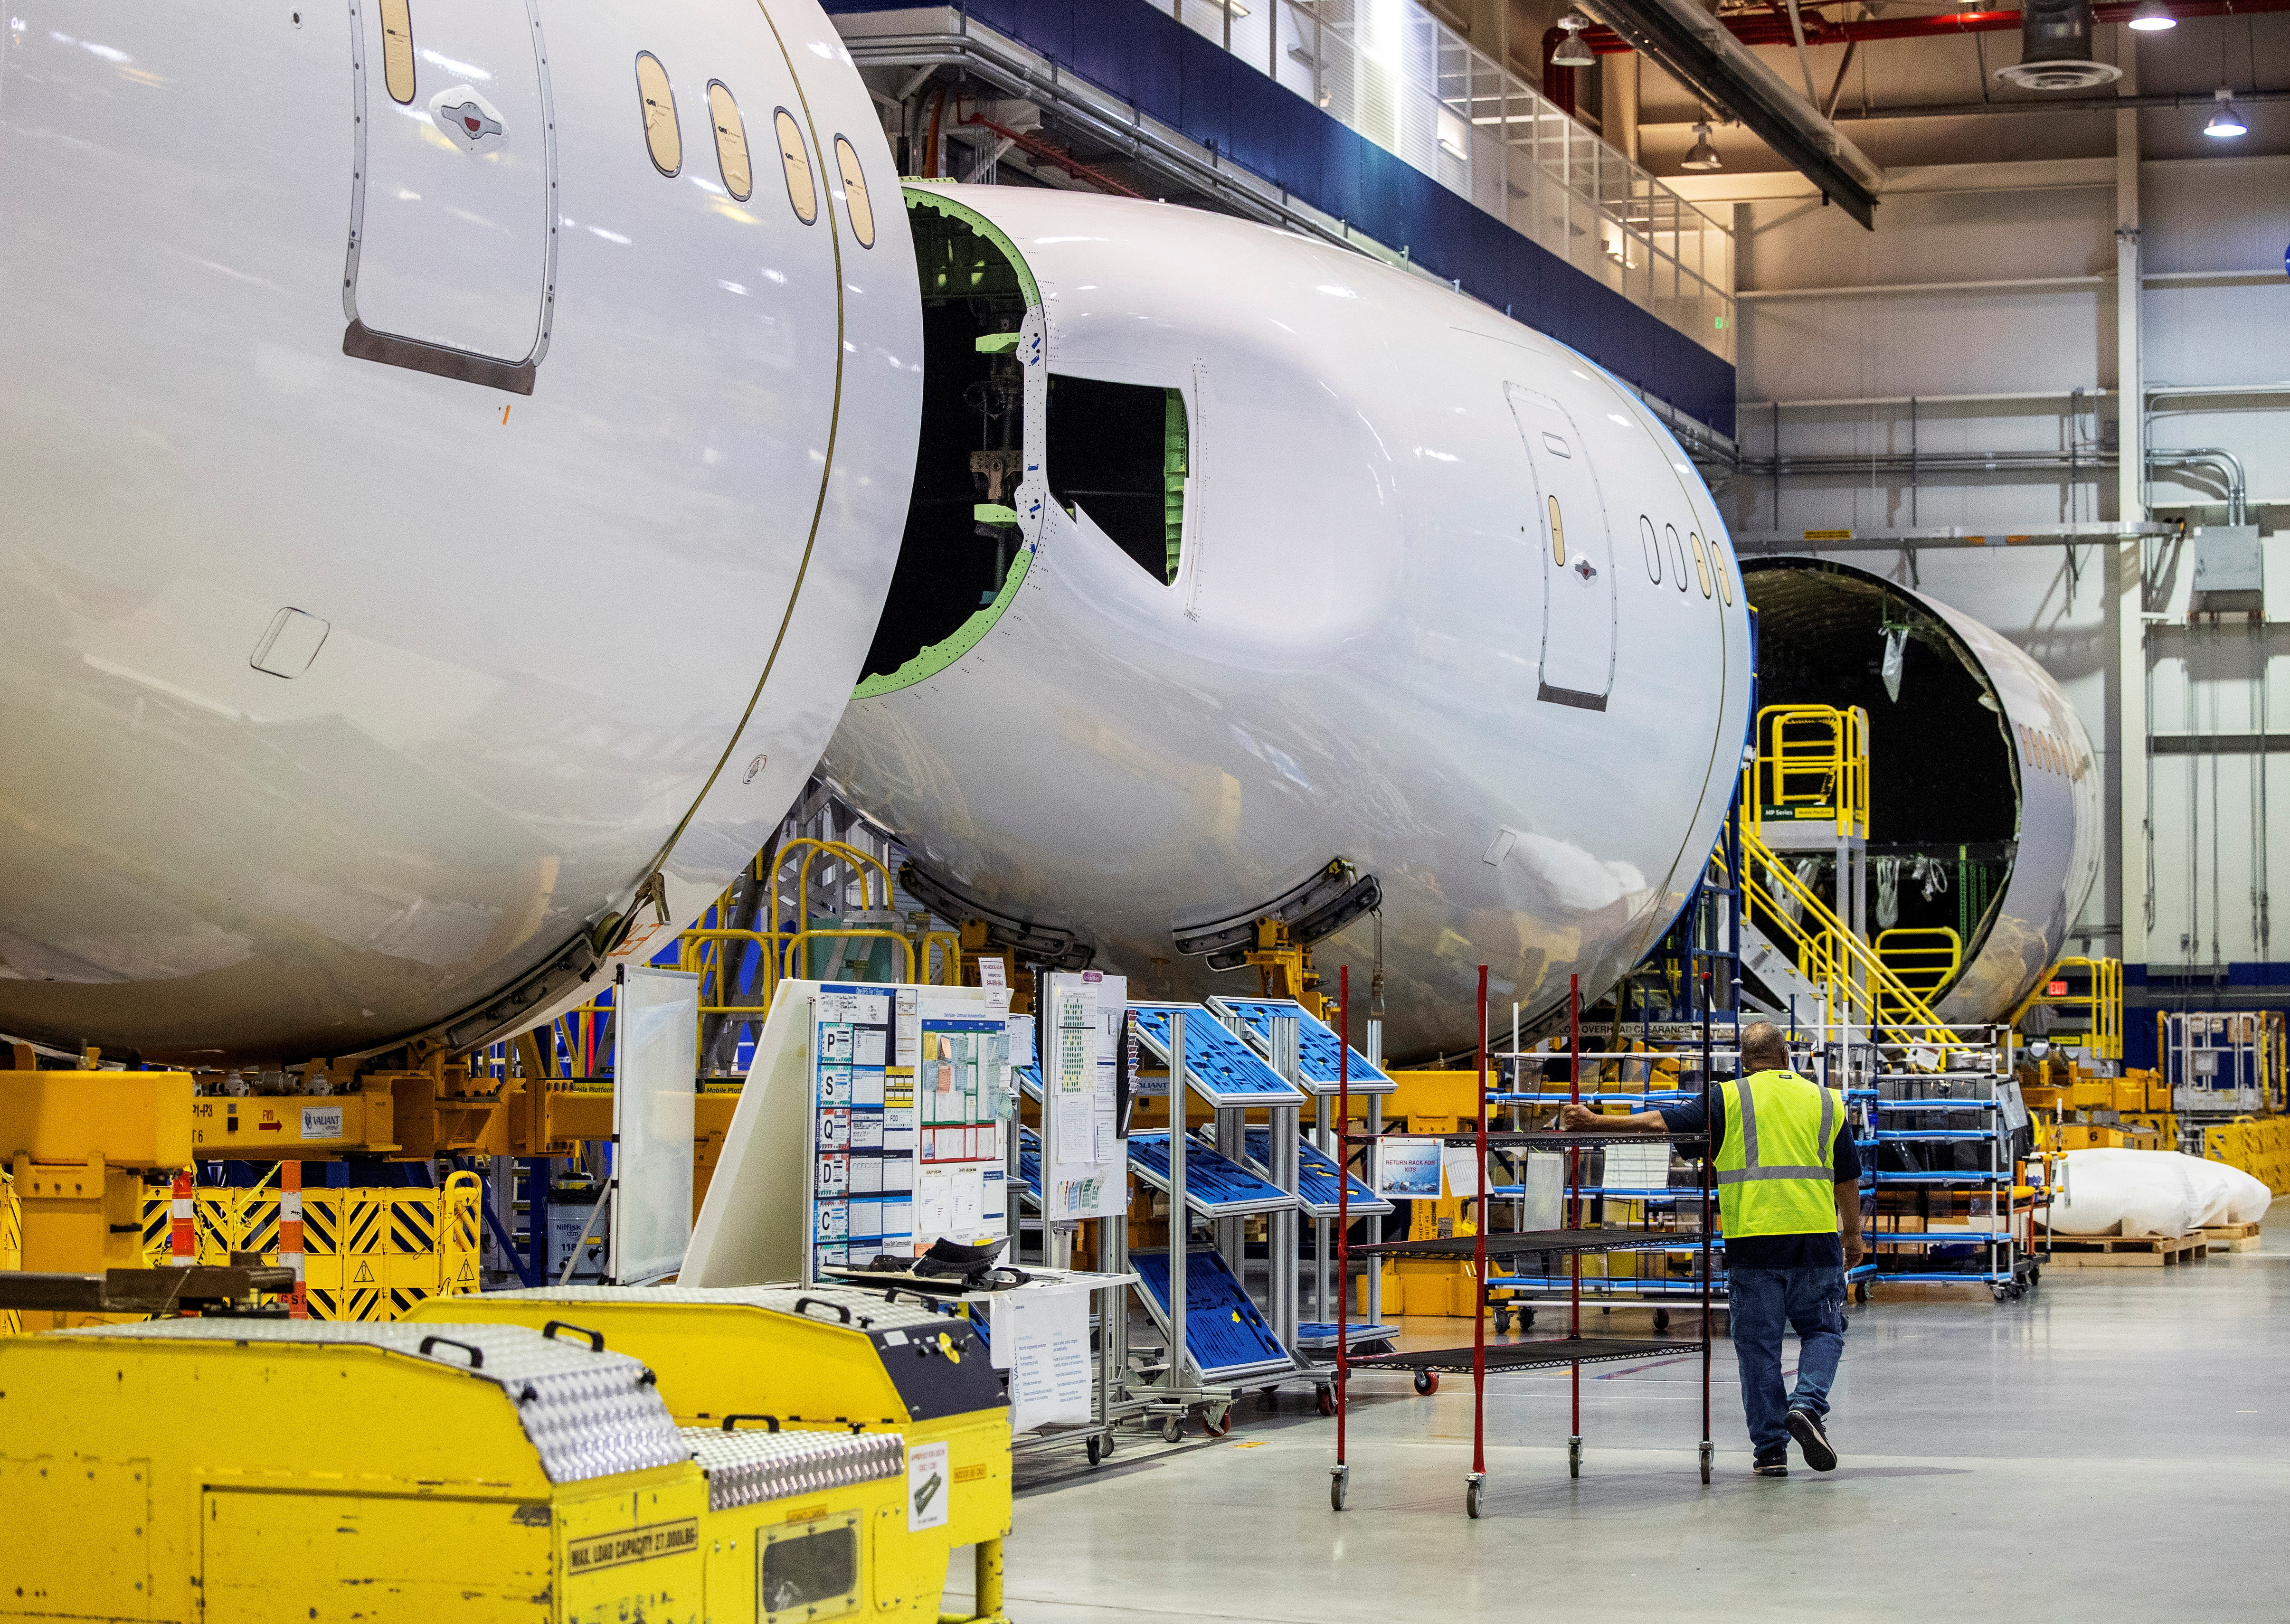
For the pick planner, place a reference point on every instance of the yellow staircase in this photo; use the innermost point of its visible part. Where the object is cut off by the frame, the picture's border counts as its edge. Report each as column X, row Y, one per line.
column 1856, row 986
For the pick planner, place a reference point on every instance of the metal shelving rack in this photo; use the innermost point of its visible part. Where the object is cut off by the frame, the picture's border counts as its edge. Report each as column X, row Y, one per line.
column 1929, row 1108
column 1570, row 1352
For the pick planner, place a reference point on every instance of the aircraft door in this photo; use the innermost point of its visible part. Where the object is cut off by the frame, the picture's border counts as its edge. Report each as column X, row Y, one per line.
column 1578, row 562
column 452, row 203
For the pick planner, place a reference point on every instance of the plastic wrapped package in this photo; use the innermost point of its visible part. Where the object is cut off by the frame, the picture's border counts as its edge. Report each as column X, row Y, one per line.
column 2152, row 1192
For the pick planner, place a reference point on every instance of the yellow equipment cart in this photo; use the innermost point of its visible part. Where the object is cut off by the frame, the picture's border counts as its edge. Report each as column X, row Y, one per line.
column 810, row 1358
column 239, row 1470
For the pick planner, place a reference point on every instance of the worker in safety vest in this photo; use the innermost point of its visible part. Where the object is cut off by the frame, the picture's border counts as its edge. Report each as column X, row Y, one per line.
column 1789, row 1199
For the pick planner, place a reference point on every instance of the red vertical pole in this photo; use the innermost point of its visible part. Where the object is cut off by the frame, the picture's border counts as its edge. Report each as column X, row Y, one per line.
column 1343, row 1193
column 1574, row 1185
column 1709, row 1156
column 289, row 1236
column 1479, row 1259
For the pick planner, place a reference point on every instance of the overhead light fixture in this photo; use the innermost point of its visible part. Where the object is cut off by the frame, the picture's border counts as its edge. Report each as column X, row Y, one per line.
column 1572, row 52
column 2226, row 123
column 2153, row 16
column 1702, row 155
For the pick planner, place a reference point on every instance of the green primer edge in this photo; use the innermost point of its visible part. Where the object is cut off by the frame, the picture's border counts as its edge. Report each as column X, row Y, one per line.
column 936, row 657
column 923, row 198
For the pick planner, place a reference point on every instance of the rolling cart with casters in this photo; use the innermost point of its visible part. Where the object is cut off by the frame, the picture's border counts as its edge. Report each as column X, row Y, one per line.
column 1570, row 1352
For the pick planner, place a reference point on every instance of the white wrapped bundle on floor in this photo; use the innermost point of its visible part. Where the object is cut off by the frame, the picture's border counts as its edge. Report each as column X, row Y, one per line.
column 2152, row 1192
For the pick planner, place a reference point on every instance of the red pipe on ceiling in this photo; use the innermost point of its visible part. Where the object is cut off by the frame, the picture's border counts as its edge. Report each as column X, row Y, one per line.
column 1772, row 28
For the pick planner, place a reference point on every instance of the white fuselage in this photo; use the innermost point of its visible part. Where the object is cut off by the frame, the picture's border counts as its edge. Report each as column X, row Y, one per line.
column 1372, row 650
column 444, row 490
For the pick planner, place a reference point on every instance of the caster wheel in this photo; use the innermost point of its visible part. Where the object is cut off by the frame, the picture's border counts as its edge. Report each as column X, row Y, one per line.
column 1173, row 1429
column 1861, row 1292
column 1502, row 1323
column 1573, row 1457
column 1844, row 1322
column 1325, row 1398
column 1471, row 1497
column 1427, row 1382
column 1661, row 1319
column 1095, row 1450
column 2035, row 1276
column 1526, row 1319
column 1705, row 1462
column 1336, row 1491
column 1999, row 1292
column 1216, row 1422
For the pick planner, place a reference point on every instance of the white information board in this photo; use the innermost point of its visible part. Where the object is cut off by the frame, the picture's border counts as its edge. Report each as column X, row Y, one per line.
column 1085, row 1163
column 655, row 1027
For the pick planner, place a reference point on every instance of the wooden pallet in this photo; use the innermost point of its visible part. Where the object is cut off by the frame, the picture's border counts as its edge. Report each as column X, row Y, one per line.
column 2126, row 1251
column 2230, row 1238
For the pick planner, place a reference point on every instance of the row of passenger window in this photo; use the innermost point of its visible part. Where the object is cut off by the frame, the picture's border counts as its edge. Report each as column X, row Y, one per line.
column 664, row 135
column 1706, row 562
column 664, row 140
column 2051, row 753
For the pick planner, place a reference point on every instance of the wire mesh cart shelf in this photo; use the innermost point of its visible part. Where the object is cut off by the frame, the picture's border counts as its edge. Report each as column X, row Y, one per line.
column 1574, row 1241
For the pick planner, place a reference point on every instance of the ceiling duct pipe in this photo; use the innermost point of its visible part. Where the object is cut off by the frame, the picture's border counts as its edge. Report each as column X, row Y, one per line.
column 2055, row 49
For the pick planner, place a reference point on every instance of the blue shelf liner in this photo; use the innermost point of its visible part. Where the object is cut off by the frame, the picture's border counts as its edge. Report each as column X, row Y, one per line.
column 1214, row 1187
column 1222, row 1070
column 1316, row 1177
column 1029, row 1162
column 1028, row 1079
column 1316, row 1043
column 1224, row 1331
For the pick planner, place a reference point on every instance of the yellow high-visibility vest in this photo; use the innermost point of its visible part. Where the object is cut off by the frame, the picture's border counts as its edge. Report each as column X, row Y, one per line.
column 1774, row 1164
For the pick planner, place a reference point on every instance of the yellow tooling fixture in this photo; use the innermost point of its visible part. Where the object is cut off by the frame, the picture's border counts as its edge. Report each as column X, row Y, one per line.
column 479, row 1472
column 823, row 1357
column 77, row 1145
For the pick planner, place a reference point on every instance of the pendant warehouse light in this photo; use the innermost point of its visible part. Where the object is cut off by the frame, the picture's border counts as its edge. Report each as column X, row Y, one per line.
column 1572, row 52
column 2152, row 17
column 2226, row 123
column 1702, row 155
column 2055, row 49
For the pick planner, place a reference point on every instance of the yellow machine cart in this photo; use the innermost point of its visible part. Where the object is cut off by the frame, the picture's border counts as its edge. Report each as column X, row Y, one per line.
column 807, row 1359
column 237, row 1471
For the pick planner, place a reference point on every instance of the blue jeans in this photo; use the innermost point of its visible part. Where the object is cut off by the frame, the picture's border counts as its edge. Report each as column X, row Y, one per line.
column 1759, row 1301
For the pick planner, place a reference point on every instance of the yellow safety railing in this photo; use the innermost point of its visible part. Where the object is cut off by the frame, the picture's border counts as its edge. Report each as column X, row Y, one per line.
column 368, row 1253
column 1926, row 958
column 1812, row 766
column 12, row 1246
column 1857, row 988
column 2100, row 1000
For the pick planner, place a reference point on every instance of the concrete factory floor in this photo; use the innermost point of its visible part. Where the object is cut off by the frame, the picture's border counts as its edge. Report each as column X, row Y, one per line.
column 2116, row 1447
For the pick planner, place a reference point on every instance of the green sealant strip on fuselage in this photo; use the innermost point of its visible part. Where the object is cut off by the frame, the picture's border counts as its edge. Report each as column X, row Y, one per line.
column 936, row 657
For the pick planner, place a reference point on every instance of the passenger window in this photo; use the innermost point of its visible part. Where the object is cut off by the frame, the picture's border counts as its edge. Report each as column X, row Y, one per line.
column 1725, row 574
column 1557, row 534
column 855, row 202
column 1700, row 562
column 1653, row 548
column 731, row 143
column 397, row 49
column 803, row 192
column 662, row 139
column 1677, row 555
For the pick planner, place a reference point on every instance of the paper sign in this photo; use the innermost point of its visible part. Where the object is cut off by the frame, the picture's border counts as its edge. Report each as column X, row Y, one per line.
column 1407, row 1169
column 990, row 971
column 929, row 1486
column 1047, row 1333
column 1465, row 1174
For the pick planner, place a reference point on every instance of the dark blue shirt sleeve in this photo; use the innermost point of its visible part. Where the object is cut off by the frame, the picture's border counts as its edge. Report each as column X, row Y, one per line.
column 1845, row 1166
column 1686, row 1118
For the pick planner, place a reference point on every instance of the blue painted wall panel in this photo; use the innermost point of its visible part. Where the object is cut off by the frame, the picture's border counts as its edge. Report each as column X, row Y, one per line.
column 1134, row 50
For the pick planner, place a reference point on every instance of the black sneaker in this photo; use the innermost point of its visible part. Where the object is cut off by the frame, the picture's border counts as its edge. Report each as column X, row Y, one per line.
column 1805, row 1427
column 1775, row 1465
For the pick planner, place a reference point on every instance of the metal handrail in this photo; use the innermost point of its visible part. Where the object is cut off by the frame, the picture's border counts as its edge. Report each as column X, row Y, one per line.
column 797, row 941
column 1851, row 976
column 1812, row 762
column 1927, row 958
column 2103, row 1000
